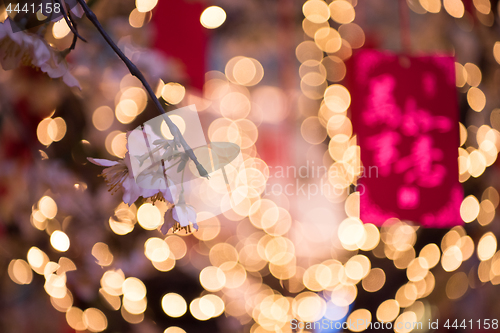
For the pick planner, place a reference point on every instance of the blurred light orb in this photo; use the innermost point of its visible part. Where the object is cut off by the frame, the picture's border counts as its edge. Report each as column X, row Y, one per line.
column 454, row 7
column 316, row 11
column 213, row 17
column 174, row 305
column 342, row 11
column 74, row 317
column 149, row 216
column 476, row 99
column 487, row 246
column 136, row 18
column 59, row 241
column 173, row 92
column 212, row 278
column 20, row 272
column 388, row 310
column 212, row 302
column 144, row 6
column 56, row 129
column 496, row 51
column 196, row 310
column 119, row 145
column 174, row 329
column 134, row 289
column 95, row 320
column 60, row 29
column 47, row 207
column 103, row 118
column 177, row 120
column 359, row 320
column 328, row 39
column 469, row 209
column 432, row 6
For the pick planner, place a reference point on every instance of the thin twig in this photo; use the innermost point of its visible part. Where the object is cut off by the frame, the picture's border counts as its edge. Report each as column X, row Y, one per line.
column 179, row 139
column 68, row 22
column 75, row 37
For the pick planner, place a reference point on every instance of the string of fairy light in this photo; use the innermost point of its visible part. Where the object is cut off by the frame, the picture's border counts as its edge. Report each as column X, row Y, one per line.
column 232, row 265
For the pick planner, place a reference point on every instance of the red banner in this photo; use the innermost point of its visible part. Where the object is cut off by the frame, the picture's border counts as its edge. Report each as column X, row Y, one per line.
column 405, row 115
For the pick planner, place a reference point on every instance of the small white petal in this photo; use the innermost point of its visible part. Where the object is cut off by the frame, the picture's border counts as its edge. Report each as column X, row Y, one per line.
column 102, row 162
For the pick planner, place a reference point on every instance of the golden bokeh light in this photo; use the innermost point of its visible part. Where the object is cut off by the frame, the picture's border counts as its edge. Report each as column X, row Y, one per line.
column 20, row 272
column 432, row 6
column 316, row 11
column 114, row 302
column 482, row 6
column 342, row 11
column 60, row 29
column 95, row 320
column 213, row 17
column 407, row 321
column 144, row 6
column 103, row 255
column 173, row 93
column 457, row 285
column 454, row 7
column 62, row 304
column 417, row 269
column 476, row 99
column 56, row 129
column 312, row 131
column 337, row 98
column 359, row 320
column 246, row 71
column 431, row 254
column 344, row 294
column 103, row 118
column 116, row 143
column 461, row 74
column 47, row 207
column 74, row 317
column 112, row 282
column 328, row 39
column 177, row 246
column 59, row 241
column 178, row 121
column 235, row 105
column 452, row 258
column 135, row 307
column 308, row 50
column 388, row 310
column 474, row 75
column 174, row 305
column 37, row 260
column 212, row 278
column 353, row 34
column 487, row 246
column 156, row 249
column 374, row 281
column 136, row 18
column 133, row 289
column 308, row 307
column 496, row 51
column 310, row 28
column 469, row 209
column 174, row 329
column 212, row 304
column 149, row 216
column 335, row 68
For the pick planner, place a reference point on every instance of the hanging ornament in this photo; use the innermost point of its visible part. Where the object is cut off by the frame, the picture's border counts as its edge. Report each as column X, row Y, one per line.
column 405, row 115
